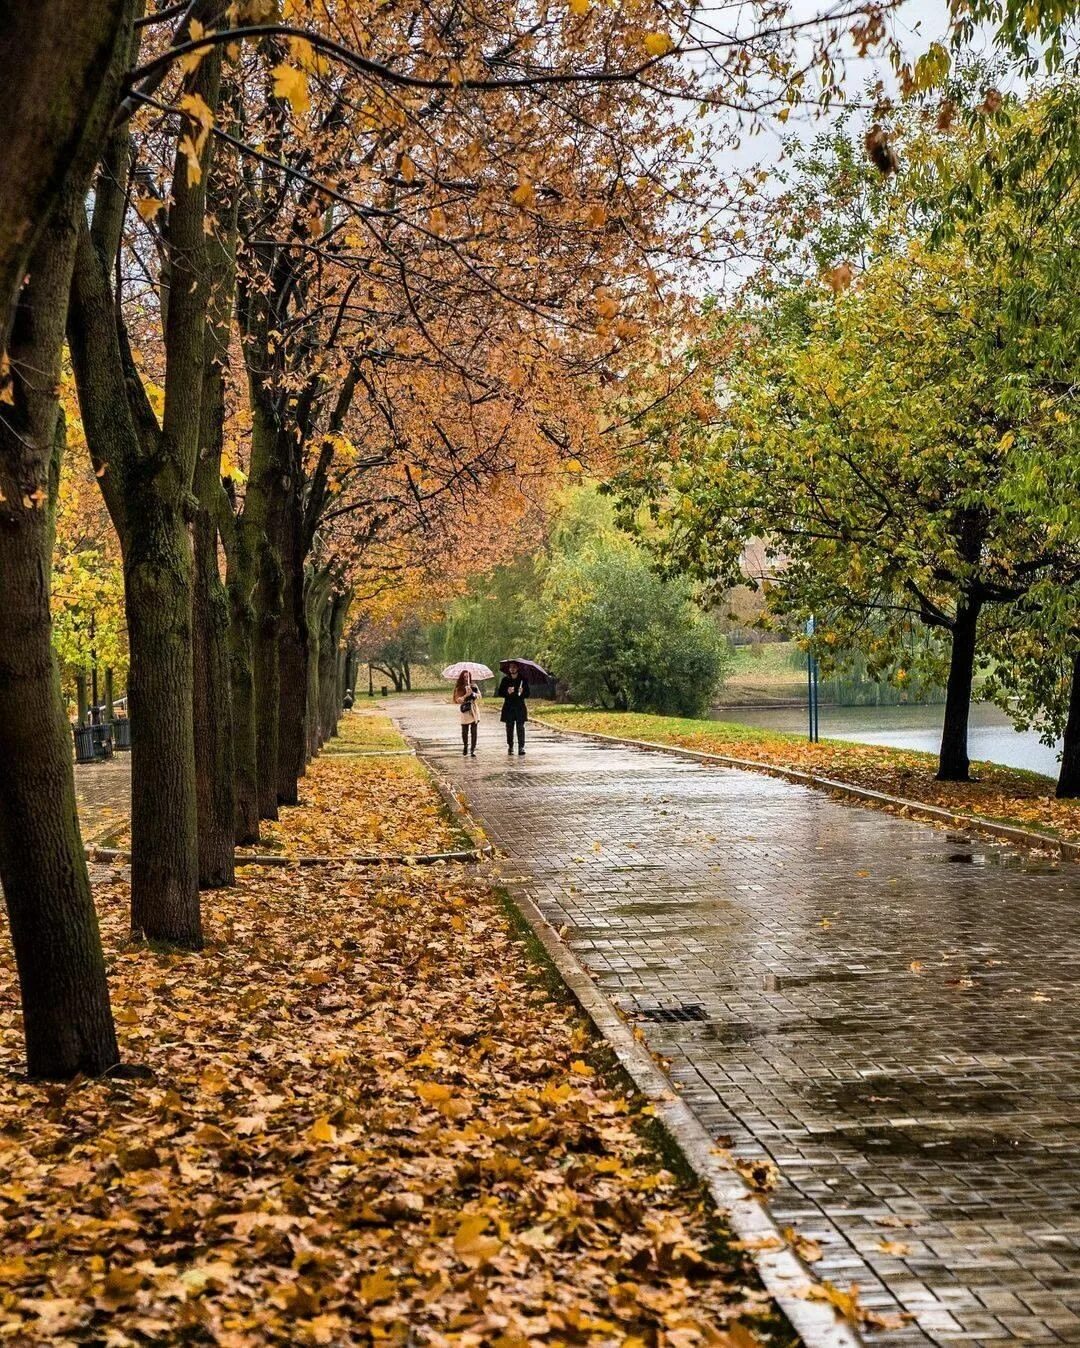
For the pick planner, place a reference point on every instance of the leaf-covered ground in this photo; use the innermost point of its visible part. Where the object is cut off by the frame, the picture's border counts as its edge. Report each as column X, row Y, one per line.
column 1000, row 793
column 364, row 730
column 368, row 805
column 369, row 1122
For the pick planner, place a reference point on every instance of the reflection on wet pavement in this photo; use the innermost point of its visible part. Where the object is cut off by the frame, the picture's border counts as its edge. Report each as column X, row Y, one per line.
column 890, row 1011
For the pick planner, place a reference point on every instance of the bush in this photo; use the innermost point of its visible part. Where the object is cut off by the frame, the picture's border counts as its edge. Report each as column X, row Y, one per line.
column 624, row 639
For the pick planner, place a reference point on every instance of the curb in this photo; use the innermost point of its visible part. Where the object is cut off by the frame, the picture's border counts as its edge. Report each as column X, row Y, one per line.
column 358, row 859
column 1043, row 842
column 784, row 1275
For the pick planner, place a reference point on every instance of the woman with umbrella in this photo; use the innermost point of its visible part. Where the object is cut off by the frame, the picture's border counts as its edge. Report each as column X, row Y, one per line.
column 513, row 690
column 466, row 675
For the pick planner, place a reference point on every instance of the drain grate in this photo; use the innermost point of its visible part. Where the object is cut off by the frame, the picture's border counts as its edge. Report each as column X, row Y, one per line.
column 674, row 1015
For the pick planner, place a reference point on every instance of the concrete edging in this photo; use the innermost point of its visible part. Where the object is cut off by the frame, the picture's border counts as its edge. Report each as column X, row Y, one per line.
column 1044, row 842
column 784, row 1275
column 473, row 854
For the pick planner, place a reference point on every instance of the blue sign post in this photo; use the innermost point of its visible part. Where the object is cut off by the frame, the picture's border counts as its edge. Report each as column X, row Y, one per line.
column 811, row 686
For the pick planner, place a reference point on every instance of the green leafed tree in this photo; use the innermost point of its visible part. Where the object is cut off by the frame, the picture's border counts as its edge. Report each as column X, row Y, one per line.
column 901, row 436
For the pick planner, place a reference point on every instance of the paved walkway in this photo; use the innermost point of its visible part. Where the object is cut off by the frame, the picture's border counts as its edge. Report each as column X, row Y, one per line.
column 890, row 1011
column 103, row 794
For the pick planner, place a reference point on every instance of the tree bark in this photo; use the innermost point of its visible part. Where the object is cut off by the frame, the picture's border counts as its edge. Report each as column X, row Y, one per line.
column 65, row 999
column 215, row 762
column 58, row 58
column 329, row 643
column 242, row 681
column 215, row 758
column 164, row 811
column 1068, row 785
column 316, row 598
column 953, row 764
column 267, row 680
column 51, row 126
column 293, row 663
column 146, row 472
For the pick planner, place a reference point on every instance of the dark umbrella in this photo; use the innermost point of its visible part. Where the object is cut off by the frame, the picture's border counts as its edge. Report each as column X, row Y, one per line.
column 533, row 672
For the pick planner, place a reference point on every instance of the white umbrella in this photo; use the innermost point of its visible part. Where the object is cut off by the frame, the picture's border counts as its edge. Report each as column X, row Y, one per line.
column 473, row 667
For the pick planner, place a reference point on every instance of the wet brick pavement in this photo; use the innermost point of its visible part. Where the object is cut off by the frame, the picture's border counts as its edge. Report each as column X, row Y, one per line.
column 890, row 1011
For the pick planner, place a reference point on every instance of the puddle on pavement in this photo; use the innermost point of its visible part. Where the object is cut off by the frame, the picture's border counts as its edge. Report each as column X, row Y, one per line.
column 927, row 1143
column 1012, row 861
column 779, row 982
column 884, row 1095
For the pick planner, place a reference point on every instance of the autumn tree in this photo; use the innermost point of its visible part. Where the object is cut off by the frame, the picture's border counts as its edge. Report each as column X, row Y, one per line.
column 68, row 64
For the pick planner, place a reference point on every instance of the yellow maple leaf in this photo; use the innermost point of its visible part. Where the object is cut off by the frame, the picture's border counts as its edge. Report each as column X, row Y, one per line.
column 524, row 194
column 322, row 1131
column 148, row 207
column 471, row 1245
column 658, row 44
column 292, row 85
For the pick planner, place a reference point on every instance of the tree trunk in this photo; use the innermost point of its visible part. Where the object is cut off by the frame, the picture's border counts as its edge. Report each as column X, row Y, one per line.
column 267, row 680
column 164, row 811
column 215, row 759
column 953, row 762
column 315, row 598
column 329, row 643
column 1068, row 786
column 52, row 121
column 212, row 700
column 65, row 997
column 242, row 680
column 59, row 58
column 293, row 657
column 82, row 702
column 110, row 698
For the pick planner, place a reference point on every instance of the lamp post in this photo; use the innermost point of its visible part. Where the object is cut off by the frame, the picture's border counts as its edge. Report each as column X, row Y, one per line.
column 811, row 685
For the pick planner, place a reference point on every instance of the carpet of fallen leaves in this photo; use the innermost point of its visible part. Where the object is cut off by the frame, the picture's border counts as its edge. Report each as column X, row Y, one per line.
column 367, row 805
column 1007, row 795
column 369, row 1121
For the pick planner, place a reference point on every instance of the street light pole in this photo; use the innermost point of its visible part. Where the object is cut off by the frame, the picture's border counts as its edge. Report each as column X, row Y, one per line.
column 811, row 685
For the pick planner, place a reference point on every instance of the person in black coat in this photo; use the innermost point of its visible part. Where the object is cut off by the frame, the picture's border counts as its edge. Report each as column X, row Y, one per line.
column 514, row 690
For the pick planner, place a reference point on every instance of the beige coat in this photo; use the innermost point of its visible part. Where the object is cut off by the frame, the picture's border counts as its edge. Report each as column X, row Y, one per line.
column 473, row 713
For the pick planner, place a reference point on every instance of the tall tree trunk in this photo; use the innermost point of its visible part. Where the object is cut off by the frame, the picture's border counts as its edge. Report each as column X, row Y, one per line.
column 1068, row 785
column 293, row 663
column 164, row 812
column 59, row 58
column 215, row 759
column 953, row 765
column 51, row 125
column 146, row 471
column 212, row 702
column 316, row 595
column 65, row 998
column 242, row 680
column 329, row 642
column 267, row 680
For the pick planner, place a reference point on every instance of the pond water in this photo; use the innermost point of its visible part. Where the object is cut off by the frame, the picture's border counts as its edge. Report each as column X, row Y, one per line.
column 991, row 736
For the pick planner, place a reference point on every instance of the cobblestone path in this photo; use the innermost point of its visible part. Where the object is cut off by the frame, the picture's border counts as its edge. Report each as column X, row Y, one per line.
column 890, row 1011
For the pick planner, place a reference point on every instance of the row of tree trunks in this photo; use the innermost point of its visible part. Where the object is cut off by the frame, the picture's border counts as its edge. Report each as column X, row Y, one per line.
column 53, row 121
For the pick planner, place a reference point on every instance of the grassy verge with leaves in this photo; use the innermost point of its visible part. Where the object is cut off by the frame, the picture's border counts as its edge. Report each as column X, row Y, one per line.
column 1008, row 795
column 369, row 1121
